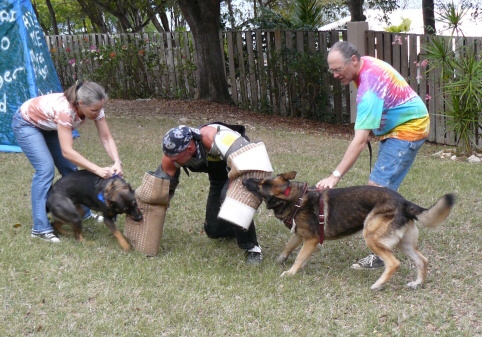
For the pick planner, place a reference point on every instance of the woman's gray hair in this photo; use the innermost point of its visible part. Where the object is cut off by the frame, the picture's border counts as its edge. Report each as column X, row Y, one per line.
column 87, row 92
column 346, row 49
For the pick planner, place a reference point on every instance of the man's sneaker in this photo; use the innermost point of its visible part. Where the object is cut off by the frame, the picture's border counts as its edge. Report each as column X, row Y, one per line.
column 253, row 258
column 96, row 217
column 50, row 237
column 372, row 261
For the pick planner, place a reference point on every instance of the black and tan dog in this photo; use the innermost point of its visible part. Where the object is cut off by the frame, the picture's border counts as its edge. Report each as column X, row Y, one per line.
column 386, row 218
column 111, row 196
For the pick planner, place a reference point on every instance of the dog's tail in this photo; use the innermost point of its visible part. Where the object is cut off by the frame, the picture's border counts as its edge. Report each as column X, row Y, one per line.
column 437, row 214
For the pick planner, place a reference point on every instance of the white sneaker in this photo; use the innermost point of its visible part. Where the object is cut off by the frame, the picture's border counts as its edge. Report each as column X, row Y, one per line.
column 96, row 217
column 50, row 237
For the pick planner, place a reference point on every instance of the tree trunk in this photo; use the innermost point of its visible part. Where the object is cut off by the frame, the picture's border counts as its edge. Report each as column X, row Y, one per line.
column 164, row 21
column 52, row 17
column 356, row 10
column 231, row 14
column 204, row 18
column 428, row 16
column 95, row 14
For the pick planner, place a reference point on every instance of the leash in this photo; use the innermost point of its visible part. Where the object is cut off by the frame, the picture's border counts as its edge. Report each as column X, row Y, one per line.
column 370, row 150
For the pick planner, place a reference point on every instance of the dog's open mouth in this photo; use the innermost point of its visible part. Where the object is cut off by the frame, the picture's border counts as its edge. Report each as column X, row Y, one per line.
column 136, row 217
column 252, row 186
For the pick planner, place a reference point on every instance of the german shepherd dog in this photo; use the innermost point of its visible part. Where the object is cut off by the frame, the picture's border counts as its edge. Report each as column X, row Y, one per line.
column 110, row 196
column 386, row 218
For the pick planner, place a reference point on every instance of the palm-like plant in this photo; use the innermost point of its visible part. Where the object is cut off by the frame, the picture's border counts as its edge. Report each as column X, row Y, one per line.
column 461, row 76
column 306, row 14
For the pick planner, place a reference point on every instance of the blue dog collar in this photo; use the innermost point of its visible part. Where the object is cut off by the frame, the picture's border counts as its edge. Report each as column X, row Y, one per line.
column 100, row 196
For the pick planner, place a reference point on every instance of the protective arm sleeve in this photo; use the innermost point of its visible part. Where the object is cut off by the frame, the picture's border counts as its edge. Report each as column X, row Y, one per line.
column 173, row 180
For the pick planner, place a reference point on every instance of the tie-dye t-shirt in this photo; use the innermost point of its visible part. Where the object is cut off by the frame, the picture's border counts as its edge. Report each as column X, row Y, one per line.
column 47, row 111
column 387, row 105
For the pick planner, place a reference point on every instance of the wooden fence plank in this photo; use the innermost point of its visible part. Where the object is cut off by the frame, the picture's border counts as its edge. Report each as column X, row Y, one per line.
column 241, row 67
column 261, row 68
column 299, row 84
column 413, row 61
column 270, row 71
column 252, row 70
column 323, row 43
column 379, row 51
column 370, row 44
column 404, row 51
column 163, row 67
column 280, row 85
column 387, row 47
column 178, row 63
column 337, row 88
column 232, row 70
column 396, row 52
column 170, row 60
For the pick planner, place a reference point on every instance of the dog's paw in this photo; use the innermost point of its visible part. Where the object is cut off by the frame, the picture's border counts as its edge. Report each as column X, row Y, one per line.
column 281, row 259
column 377, row 287
column 414, row 285
column 287, row 273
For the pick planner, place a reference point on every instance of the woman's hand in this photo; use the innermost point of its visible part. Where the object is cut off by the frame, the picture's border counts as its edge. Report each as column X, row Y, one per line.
column 117, row 168
column 105, row 172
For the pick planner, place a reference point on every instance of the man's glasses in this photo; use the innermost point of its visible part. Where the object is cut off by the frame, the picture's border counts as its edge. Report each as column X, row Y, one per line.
column 338, row 70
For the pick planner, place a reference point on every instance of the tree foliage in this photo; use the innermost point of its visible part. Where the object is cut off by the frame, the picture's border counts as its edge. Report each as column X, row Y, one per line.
column 106, row 16
column 302, row 14
column 404, row 26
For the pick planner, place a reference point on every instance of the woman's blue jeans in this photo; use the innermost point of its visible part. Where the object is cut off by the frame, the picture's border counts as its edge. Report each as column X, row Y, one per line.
column 42, row 149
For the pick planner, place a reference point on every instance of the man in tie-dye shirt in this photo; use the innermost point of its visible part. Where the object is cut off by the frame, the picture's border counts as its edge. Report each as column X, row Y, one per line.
column 389, row 107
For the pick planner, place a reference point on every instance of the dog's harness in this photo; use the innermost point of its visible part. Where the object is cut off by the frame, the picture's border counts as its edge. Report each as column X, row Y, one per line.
column 289, row 221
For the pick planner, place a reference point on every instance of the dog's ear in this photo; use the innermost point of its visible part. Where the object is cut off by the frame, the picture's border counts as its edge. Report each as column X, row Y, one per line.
column 288, row 175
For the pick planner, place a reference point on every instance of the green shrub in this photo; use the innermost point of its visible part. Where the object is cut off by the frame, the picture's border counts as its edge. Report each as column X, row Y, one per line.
column 123, row 68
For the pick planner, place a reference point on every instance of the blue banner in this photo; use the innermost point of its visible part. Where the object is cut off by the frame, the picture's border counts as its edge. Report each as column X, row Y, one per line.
column 26, row 69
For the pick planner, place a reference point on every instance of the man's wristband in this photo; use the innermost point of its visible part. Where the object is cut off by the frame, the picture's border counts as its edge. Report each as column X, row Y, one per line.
column 337, row 174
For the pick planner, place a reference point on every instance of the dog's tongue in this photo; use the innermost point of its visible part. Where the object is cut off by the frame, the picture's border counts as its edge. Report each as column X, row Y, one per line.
column 287, row 191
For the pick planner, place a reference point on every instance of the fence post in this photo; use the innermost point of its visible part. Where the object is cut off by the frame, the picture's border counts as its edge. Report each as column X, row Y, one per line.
column 356, row 36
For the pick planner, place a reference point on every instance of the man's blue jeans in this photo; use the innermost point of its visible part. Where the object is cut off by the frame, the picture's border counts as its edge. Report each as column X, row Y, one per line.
column 395, row 157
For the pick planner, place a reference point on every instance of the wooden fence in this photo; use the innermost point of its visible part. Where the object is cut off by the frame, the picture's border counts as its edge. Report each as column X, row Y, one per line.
column 276, row 72
column 273, row 72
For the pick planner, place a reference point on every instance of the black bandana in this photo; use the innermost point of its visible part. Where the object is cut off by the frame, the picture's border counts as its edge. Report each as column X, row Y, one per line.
column 177, row 140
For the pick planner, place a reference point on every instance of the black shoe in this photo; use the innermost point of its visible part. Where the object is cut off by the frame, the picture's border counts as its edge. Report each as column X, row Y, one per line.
column 372, row 261
column 253, row 258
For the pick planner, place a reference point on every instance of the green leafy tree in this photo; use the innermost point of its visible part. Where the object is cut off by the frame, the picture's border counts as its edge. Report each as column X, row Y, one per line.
column 404, row 26
column 61, row 18
column 104, row 16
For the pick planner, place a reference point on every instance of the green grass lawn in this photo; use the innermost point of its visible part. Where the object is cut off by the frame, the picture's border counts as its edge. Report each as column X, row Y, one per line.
column 201, row 287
